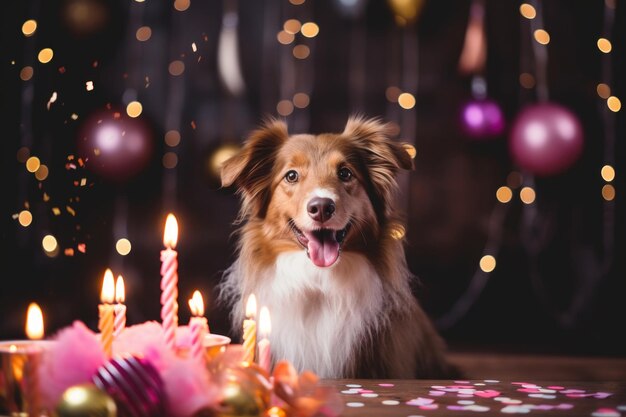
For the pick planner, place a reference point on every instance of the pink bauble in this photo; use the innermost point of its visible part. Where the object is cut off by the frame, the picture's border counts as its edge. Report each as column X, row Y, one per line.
column 546, row 139
column 115, row 147
column 482, row 119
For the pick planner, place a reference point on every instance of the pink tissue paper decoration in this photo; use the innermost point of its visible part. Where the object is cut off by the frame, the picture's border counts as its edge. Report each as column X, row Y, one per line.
column 188, row 386
column 72, row 359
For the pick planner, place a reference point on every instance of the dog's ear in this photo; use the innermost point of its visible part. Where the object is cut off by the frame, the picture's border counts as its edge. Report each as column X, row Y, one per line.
column 250, row 169
column 381, row 155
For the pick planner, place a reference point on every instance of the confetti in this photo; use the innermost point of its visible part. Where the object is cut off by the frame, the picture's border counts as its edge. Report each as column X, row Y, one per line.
column 420, row 401
column 606, row 412
column 386, row 385
column 70, row 210
column 89, row 85
column 355, row 404
column 369, row 395
column 194, row 47
column 56, row 211
column 74, row 116
column 82, row 248
column 353, row 385
column 52, row 99
column 391, row 402
column 69, row 252
column 515, row 409
column 473, row 407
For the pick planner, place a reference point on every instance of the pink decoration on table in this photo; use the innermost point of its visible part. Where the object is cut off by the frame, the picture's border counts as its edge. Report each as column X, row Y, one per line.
column 106, row 313
column 265, row 327
column 198, row 326
column 72, row 359
column 169, row 281
column 120, row 309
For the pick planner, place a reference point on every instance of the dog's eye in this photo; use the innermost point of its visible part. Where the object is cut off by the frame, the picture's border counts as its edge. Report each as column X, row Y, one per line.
column 344, row 174
column 291, row 176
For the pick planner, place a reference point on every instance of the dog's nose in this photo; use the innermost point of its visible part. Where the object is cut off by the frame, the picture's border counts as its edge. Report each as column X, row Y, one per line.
column 321, row 209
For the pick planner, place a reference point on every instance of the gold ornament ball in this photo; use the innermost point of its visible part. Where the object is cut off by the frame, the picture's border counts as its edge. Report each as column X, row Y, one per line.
column 242, row 395
column 85, row 400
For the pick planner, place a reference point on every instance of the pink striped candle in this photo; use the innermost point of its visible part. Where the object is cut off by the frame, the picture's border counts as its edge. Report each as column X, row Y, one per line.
column 120, row 309
column 169, row 281
column 198, row 327
column 265, row 327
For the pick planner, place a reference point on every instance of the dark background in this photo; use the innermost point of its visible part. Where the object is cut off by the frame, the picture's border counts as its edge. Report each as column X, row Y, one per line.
column 560, row 283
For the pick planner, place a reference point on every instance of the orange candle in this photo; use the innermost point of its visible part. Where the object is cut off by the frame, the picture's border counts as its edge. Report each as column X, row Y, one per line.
column 249, row 330
column 169, row 281
column 106, row 313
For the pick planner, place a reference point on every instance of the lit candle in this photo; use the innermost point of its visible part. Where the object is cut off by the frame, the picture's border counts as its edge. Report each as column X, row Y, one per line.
column 120, row 309
column 34, row 322
column 169, row 281
column 198, row 326
column 265, row 327
column 249, row 330
column 106, row 313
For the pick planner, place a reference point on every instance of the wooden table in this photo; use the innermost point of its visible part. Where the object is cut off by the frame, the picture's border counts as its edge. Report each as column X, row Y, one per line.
column 438, row 398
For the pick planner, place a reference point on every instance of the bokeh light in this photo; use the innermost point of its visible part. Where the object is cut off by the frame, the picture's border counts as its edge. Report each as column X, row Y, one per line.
column 170, row 160
column 608, row 173
column 297, row 2
column 172, row 138
column 42, row 172
column 392, row 93
column 487, row 263
column 123, row 246
column 29, row 27
column 406, row 101
column 32, row 164
column 301, row 100
column 134, row 109
column 504, row 194
column 608, row 192
column 25, row 218
column 284, row 107
column 614, row 103
column 285, row 38
column 176, row 68
column 310, row 29
column 26, row 73
column 50, row 245
column 604, row 45
column 221, row 154
column 410, row 149
column 527, row 80
column 527, row 10
column 527, row 195
column 542, row 36
column 397, row 231
column 182, row 5
column 292, row 26
column 45, row 55
column 301, row 51
column 143, row 33
column 603, row 90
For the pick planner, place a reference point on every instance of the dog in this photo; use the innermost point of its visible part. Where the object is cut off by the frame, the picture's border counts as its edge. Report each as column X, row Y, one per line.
column 316, row 244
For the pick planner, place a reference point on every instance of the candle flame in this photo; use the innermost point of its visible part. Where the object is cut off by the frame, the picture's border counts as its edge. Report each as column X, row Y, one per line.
column 251, row 306
column 170, row 236
column 265, row 324
column 196, row 304
column 34, row 322
column 120, row 290
column 108, row 287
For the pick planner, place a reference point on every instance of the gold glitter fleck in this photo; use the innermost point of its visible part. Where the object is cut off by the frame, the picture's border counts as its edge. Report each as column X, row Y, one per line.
column 56, row 211
column 70, row 210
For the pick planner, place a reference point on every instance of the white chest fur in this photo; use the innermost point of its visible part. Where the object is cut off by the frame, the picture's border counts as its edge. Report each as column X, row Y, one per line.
column 321, row 315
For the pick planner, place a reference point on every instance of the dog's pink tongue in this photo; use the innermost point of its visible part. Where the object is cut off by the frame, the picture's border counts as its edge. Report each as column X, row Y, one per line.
column 323, row 248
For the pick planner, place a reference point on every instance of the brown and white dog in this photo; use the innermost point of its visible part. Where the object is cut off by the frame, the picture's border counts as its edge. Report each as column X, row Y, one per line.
column 317, row 246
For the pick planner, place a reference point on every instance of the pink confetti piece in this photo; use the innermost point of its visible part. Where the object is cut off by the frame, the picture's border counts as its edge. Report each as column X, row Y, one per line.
column 420, row 401
column 355, row 404
column 366, row 391
column 390, row 402
column 556, row 387
column 386, row 385
column 564, row 406
column 487, row 393
column 473, row 407
column 429, row 407
column 515, row 409
column 437, row 393
column 544, row 396
column 462, row 382
column 606, row 412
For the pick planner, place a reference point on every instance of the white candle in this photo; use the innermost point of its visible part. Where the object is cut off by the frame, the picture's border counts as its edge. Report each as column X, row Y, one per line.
column 169, row 281
column 120, row 309
column 265, row 327
column 106, row 313
column 249, row 330
column 198, row 326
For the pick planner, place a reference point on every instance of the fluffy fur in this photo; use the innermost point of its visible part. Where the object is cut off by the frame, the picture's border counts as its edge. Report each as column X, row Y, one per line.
column 335, row 279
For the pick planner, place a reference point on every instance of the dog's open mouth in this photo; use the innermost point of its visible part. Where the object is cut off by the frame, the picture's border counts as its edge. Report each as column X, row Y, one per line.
column 322, row 245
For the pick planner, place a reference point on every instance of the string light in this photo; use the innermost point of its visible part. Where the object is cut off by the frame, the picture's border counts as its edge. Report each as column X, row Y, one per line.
column 603, row 90
column 25, row 218
column 528, row 11
column 608, row 192
column 614, row 104
column 45, row 55
column 406, row 101
column 504, row 194
column 134, row 109
column 285, row 38
column 608, row 173
column 26, row 73
column 143, row 33
column 172, row 138
column 123, row 246
column 29, row 27
column 310, row 29
column 527, row 195
column 170, row 160
column 176, row 68
column 604, row 45
column 542, row 36
column 487, row 263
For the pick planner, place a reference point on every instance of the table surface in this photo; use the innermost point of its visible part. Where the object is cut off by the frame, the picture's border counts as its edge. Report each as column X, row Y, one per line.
column 489, row 397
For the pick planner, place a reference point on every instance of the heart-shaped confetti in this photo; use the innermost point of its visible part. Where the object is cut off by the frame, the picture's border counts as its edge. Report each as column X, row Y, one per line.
column 489, row 393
